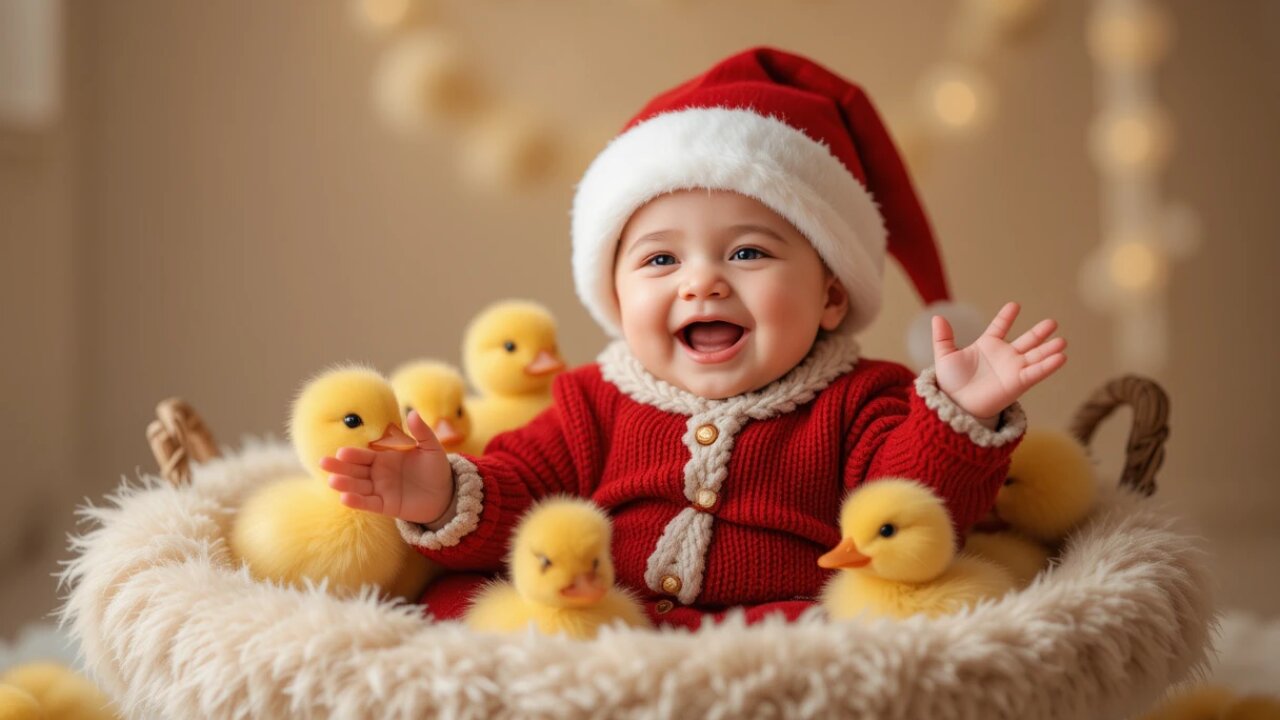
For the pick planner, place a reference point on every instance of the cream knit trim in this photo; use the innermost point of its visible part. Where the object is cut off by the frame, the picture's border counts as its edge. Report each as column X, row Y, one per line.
column 469, row 488
column 681, row 551
column 1015, row 420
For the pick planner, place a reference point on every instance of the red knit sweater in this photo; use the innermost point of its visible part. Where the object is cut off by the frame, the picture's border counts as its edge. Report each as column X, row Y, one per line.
column 774, row 512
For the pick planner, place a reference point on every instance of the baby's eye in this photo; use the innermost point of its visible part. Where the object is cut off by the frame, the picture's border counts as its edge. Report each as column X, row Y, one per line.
column 662, row 260
column 352, row 420
column 747, row 254
column 509, row 346
column 459, row 412
column 544, row 561
column 887, row 530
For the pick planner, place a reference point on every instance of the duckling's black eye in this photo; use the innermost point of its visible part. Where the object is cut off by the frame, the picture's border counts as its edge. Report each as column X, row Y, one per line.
column 595, row 564
column 545, row 561
column 887, row 530
column 1008, row 481
column 459, row 412
column 509, row 346
column 352, row 420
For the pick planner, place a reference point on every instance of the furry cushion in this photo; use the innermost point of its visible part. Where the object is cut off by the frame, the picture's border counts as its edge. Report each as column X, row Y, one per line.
column 172, row 628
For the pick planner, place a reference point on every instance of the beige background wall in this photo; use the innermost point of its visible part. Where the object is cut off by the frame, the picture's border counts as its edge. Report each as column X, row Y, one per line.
column 221, row 213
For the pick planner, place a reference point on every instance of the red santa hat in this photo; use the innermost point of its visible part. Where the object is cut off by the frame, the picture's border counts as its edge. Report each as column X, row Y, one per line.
column 793, row 135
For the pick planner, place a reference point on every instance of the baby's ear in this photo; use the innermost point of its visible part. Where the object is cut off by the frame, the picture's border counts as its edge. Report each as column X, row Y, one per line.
column 837, row 303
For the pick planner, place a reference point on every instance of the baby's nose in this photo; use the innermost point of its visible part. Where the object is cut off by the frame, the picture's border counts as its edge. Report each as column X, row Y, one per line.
column 704, row 283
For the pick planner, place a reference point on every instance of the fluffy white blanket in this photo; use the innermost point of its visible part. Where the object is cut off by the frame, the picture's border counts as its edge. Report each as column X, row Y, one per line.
column 171, row 628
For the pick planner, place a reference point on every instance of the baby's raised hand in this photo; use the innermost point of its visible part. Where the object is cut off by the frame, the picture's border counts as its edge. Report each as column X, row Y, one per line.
column 414, row 485
column 989, row 375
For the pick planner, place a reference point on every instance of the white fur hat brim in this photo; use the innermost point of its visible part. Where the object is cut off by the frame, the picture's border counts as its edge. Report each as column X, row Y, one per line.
column 728, row 149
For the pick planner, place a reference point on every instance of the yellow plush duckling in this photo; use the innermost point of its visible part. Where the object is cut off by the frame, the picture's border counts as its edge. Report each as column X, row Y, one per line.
column 436, row 391
column 898, row 557
column 1050, row 489
column 510, row 355
column 51, row 691
column 561, row 576
column 18, row 704
column 298, row 528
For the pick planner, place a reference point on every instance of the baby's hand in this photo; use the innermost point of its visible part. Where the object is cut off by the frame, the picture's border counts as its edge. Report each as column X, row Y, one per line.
column 991, row 374
column 414, row 485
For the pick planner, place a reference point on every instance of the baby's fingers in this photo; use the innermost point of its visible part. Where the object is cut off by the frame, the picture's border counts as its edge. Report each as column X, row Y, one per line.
column 370, row 503
column 346, row 483
column 1035, row 335
column 1033, row 374
column 339, row 467
column 422, row 432
column 359, row 456
column 1055, row 345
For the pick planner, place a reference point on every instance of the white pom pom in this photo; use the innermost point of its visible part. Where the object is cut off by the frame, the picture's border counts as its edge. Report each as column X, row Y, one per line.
column 966, row 322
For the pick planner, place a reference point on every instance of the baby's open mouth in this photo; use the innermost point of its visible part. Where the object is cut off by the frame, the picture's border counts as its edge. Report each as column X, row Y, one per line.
column 711, row 337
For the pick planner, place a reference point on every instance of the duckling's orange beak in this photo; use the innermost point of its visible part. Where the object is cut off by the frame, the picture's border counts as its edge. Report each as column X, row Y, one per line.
column 447, row 434
column 544, row 363
column 586, row 588
column 845, row 555
column 393, row 438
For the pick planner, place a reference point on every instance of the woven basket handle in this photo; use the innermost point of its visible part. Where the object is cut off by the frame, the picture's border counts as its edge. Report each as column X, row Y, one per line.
column 1145, row 450
column 178, row 436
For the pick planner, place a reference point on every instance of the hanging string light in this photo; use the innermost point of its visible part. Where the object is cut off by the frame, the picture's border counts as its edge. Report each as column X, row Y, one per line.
column 423, row 81
column 954, row 99
column 1130, row 142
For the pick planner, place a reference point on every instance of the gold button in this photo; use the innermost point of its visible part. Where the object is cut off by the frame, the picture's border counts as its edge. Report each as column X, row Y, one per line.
column 706, row 434
column 664, row 606
column 706, row 498
column 671, row 584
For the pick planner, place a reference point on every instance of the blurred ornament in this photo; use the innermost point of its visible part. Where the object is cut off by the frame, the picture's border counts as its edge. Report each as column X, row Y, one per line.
column 422, row 79
column 507, row 150
column 1137, row 266
column 380, row 16
column 1137, row 139
column 1129, row 35
column 957, row 98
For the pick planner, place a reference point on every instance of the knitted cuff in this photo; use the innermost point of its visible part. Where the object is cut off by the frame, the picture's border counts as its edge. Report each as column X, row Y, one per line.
column 1013, row 421
column 469, row 488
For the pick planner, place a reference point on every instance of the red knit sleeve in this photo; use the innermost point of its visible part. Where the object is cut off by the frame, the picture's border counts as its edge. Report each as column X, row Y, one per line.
column 908, row 428
column 558, row 452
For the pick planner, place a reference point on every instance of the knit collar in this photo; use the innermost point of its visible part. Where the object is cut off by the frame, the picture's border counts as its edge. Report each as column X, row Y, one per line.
column 831, row 356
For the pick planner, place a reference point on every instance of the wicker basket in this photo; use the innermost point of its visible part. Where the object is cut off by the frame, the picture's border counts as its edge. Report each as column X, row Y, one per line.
column 172, row 628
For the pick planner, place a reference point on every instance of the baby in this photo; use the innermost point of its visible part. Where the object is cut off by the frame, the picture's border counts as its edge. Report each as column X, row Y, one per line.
column 733, row 237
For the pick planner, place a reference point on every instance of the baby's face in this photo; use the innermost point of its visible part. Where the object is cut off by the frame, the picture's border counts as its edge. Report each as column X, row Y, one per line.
column 718, row 294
